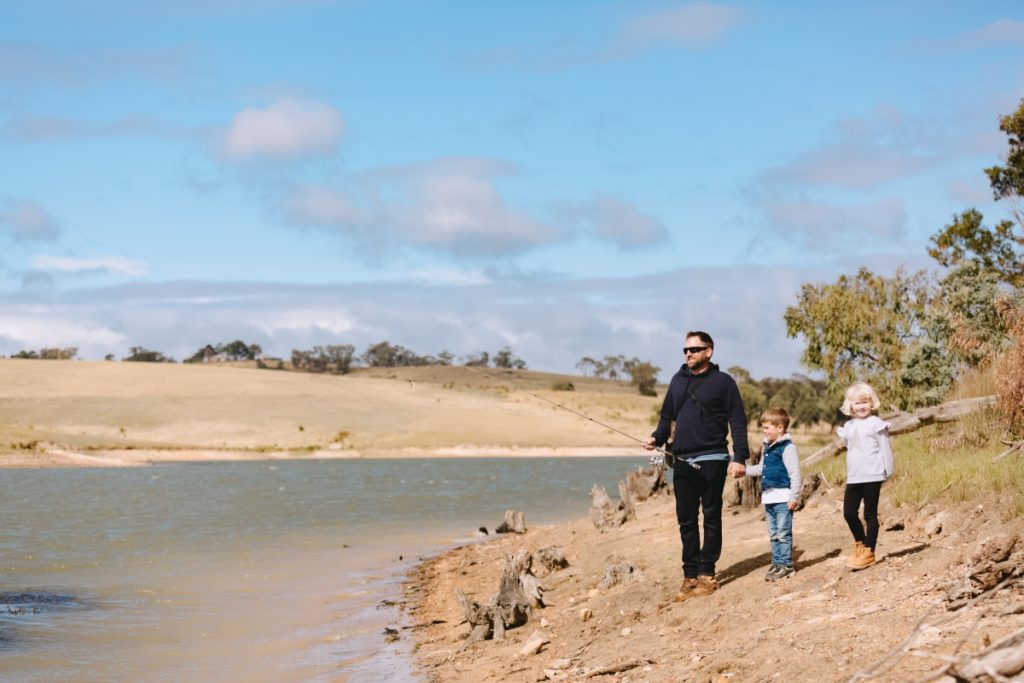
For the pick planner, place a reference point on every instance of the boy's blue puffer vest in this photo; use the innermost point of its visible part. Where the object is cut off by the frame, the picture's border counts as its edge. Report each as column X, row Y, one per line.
column 774, row 474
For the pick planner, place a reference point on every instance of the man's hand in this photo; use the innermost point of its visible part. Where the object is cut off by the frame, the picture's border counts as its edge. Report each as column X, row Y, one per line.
column 649, row 444
column 737, row 469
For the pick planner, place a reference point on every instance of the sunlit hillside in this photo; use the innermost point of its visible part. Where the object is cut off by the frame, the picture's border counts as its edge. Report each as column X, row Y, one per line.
column 90, row 406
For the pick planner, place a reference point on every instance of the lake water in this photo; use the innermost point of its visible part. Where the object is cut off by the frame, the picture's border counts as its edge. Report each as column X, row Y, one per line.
column 257, row 571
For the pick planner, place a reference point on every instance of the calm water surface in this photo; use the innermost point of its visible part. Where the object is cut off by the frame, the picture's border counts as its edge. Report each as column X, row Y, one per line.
column 258, row 571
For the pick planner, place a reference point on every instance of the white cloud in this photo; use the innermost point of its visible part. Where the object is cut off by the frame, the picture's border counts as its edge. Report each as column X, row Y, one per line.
column 65, row 264
column 616, row 220
column 851, row 165
column 1001, row 32
column 824, row 225
column 692, row 24
column 286, row 129
column 34, row 328
column 451, row 205
column 455, row 205
column 26, row 219
column 551, row 324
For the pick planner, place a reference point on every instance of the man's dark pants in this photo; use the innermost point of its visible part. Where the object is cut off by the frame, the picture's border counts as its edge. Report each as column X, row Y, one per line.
column 696, row 489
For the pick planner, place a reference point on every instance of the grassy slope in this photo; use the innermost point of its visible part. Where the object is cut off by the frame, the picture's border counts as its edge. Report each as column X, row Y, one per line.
column 95, row 405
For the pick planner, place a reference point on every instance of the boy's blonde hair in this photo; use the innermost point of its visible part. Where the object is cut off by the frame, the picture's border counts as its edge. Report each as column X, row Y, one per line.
column 860, row 390
column 775, row 416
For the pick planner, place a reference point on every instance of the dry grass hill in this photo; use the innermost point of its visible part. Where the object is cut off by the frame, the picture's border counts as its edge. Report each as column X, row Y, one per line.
column 127, row 412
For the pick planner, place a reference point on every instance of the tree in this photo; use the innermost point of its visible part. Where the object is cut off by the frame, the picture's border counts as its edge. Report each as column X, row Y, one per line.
column 1008, row 181
column 481, row 360
column 611, row 366
column 387, row 355
column 999, row 249
column 643, row 375
column 339, row 356
column 587, row 366
column 800, row 397
column 507, row 360
column 861, row 328
column 140, row 354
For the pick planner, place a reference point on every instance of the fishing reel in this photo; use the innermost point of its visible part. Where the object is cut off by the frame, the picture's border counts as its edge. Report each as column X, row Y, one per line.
column 663, row 457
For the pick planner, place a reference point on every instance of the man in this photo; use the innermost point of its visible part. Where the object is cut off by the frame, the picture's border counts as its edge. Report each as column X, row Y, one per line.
column 705, row 405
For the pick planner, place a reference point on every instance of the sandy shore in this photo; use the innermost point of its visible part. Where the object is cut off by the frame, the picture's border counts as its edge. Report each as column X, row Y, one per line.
column 600, row 622
column 65, row 457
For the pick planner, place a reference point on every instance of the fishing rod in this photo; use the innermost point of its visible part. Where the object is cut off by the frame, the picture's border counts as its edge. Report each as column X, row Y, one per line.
column 664, row 458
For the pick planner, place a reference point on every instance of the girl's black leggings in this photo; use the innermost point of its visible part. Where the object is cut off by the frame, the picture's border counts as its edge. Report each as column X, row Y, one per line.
column 869, row 493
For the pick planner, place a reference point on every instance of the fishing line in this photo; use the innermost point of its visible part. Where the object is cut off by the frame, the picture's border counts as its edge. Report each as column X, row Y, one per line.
column 665, row 456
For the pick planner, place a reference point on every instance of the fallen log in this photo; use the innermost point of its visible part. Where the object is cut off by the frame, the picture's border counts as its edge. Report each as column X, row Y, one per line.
column 901, row 422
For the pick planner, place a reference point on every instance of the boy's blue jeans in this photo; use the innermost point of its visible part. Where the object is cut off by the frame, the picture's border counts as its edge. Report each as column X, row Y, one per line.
column 780, row 532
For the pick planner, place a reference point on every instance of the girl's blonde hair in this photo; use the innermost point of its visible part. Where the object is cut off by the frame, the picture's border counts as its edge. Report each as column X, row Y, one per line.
column 856, row 391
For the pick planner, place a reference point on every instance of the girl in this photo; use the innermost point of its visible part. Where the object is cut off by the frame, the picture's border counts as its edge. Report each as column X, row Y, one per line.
column 868, row 464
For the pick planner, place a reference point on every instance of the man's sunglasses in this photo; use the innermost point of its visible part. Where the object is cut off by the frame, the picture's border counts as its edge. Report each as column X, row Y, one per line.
column 695, row 349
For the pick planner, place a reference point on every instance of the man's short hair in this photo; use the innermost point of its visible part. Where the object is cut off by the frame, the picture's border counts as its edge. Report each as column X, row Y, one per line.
column 704, row 337
column 775, row 416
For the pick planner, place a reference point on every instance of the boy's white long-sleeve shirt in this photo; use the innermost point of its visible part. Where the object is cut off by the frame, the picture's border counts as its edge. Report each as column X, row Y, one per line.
column 791, row 459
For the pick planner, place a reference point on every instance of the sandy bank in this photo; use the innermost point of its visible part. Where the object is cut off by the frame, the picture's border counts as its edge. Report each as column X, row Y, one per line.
column 64, row 457
column 825, row 623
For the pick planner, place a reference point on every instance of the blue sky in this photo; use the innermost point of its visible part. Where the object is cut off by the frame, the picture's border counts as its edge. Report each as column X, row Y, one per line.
column 568, row 179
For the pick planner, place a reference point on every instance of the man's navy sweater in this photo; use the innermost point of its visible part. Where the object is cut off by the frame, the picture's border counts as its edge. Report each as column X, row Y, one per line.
column 702, row 425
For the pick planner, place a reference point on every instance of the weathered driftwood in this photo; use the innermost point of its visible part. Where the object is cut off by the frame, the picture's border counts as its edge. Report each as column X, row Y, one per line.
column 518, row 593
column 607, row 515
column 515, row 523
column 1014, row 447
column 901, row 422
column 1004, row 659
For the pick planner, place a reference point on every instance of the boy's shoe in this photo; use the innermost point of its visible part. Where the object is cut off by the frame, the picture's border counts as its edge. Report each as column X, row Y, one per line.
column 864, row 559
column 853, row 561
column 685, row 590
column 783, row 571
column 770, row 576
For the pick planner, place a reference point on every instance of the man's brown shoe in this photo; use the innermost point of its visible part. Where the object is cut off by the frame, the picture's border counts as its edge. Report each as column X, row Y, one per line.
column 706, row 585
column 685, row 590
column 864, row 559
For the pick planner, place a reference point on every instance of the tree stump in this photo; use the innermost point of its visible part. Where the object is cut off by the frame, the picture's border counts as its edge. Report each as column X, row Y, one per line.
column 552, row 558
column 604, row 513
column 511, row 606
column 477, row 616
column 518, row 593
column 644, row 482
column 514, row 522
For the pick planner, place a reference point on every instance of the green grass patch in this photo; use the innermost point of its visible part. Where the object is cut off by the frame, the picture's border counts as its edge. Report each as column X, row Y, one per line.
column 949, row 463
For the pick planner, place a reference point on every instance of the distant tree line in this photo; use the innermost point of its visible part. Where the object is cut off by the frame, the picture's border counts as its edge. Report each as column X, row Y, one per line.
column 340, row 358
column 642, row 374
column 232, row 351
column 808, row 401
column 49, row 353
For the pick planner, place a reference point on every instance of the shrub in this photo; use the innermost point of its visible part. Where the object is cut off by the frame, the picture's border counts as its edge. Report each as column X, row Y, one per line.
column 1011, row 377
column 563, row 386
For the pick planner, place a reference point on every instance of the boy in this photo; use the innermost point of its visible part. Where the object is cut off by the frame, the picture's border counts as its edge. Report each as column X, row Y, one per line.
column 780, row 482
